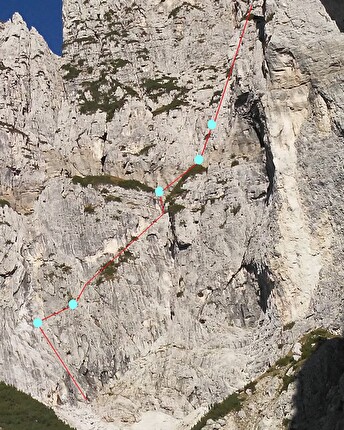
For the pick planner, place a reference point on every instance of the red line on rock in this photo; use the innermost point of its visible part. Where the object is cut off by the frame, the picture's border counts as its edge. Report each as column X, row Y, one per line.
column 162, row 205
column 179, row 177
column 156, row 219
column 64, row 364
column 228, row 78
column 117, row 255
column 206, row 142
column 55, row 313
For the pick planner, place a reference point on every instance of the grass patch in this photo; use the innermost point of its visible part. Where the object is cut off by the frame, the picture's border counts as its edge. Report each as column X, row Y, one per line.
column 174, row 208
column 174, row 13
column 104, row 103
column 286, row 422
column 4, row 203
column 101, row 92
column 156, row 88
column 95, row 181
column 287, row 379
column 289, row 326
column 251, row 386
column 178, row 190
column 64, row 268
column 118, row 63
column 215, row 98
column 73, row 72
column 251, row 17
column 311, row 341
column 270, row 17
column 18, row 411
column 85, row 40
column 89, row 209
column 272, row 371
column 109, row 15
column 235, row 209
column 111, row 198
column 285, row 361
column 143, row 53
column 175, row 104
column 132, row 184
column 220, row 410
column 109, row 273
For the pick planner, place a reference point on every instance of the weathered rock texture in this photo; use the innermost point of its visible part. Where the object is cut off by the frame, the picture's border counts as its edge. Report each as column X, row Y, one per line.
column 252, row 242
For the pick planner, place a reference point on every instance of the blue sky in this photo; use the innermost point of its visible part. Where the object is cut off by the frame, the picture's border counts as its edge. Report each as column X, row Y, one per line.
column 44, row 15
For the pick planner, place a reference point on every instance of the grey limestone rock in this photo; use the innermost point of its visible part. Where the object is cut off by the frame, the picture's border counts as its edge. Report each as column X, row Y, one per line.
column 249, row 243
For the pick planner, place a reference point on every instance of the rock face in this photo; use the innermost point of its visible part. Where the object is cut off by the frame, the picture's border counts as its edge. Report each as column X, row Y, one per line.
column 249, row 243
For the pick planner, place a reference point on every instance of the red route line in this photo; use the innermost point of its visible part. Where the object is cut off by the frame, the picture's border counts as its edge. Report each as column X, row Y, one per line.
column 206, row 142
column 228, row 77
column 179, row 177
column 55, row 313
column 118, row 254
column 63, row 364
column 233, row 63
column 156, row 219
column 187, row 170
column 162, row 205
column 174, row 180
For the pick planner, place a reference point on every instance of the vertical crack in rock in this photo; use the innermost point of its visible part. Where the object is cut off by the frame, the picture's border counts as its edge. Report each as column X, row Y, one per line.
column 253, row 111
column 259, row 125
column 175, row 243
column 260, row 25
column 265, row 282
column 102, row 162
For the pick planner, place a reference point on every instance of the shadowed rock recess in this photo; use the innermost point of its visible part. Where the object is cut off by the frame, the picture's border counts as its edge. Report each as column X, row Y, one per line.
column 235, row 297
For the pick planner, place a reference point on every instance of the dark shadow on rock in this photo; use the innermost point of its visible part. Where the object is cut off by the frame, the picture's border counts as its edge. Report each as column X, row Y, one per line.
column 335, row 8
column 319, row 399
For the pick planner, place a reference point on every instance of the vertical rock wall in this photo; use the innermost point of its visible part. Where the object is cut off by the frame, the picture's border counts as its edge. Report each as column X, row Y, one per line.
column 250, row 243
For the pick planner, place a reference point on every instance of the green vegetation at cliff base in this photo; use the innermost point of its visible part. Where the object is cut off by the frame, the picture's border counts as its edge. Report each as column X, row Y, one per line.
column 220, row 410
column 285, row 368
column 18, row 411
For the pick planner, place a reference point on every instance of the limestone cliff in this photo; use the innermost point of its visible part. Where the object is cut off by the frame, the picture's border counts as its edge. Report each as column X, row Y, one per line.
column 251, row 243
